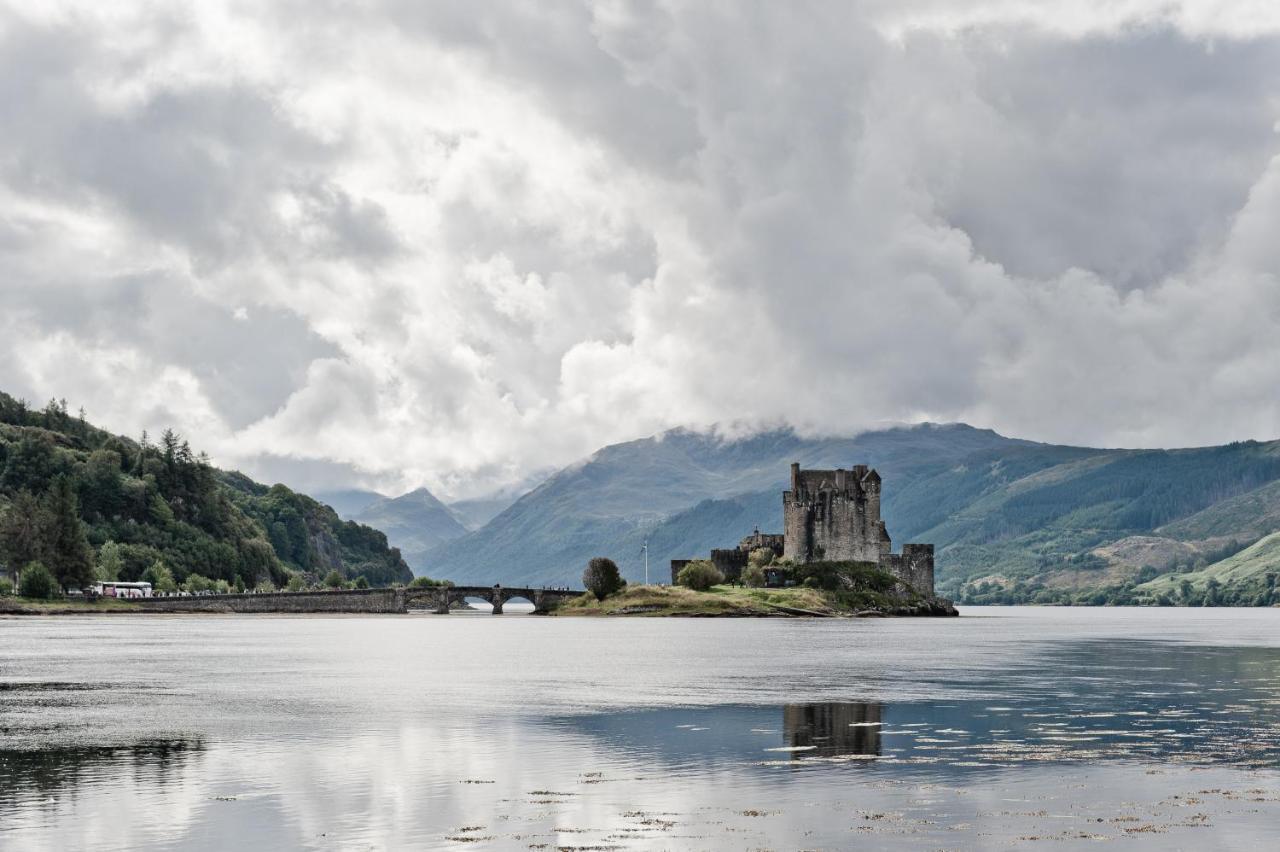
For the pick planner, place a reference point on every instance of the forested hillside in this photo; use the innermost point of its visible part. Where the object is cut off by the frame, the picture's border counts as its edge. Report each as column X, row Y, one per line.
column 1013, row 521
column 82, row 502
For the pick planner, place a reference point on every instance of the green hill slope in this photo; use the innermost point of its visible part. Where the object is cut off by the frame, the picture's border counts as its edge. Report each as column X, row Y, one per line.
column 162, row 503
column 1020, row 520
column 1247, row 578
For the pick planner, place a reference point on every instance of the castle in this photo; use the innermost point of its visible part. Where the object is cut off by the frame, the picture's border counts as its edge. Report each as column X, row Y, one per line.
column 832, row 515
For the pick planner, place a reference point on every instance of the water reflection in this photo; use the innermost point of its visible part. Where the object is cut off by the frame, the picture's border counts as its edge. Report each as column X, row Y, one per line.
column 48, row 773
column 832, row 729
column 1239, row 728
column 462, row 733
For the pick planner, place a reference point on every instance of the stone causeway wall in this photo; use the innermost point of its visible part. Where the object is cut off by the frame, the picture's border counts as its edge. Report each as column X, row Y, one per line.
column 342, row 600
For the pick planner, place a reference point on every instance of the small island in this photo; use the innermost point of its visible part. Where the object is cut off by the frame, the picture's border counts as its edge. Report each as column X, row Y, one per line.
column 829, row 590
column 835, row 559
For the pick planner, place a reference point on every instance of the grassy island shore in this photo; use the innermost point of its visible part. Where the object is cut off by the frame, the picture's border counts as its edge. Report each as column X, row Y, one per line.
column 741, row 602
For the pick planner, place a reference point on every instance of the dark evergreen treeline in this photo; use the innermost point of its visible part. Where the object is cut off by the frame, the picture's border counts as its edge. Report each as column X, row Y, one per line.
column 81, row 501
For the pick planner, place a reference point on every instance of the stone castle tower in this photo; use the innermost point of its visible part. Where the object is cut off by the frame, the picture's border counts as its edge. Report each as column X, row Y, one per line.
column 834, row 515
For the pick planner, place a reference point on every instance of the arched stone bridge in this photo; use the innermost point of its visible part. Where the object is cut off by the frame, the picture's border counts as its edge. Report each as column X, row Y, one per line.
column 387, row 600
column 440, row 598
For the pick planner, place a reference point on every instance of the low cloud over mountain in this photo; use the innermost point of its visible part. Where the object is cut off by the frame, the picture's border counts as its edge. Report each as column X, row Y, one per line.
column 451, row 244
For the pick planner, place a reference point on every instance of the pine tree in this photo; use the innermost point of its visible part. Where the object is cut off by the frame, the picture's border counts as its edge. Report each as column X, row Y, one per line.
column 143, row 446
column 22, row 530
column 67, row 554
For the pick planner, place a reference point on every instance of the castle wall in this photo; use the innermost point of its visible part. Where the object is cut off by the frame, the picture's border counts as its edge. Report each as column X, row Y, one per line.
column 913, row 566
column 730, row 562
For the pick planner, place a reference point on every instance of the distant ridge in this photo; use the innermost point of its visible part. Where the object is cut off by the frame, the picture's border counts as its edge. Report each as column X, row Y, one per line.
column 1022, row 517
column 348, row 502
column 415, row 523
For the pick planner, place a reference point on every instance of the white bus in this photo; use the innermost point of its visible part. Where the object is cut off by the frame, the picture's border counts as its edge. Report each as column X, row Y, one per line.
column 114, row 589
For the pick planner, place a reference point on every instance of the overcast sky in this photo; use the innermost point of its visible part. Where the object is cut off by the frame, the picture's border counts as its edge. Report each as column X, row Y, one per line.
column 453, row 244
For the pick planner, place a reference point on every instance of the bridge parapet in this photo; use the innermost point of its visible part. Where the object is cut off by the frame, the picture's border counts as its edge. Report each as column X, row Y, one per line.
column 441, row 598
column 383, row 600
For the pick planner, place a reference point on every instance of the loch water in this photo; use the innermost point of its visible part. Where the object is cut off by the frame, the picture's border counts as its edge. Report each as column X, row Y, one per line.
column 1009, row 727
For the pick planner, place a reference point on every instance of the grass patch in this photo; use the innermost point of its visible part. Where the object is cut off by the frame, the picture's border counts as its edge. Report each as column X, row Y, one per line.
column 727, row 601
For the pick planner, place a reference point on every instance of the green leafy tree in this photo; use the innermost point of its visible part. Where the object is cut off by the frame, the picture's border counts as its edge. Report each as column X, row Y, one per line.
column 362, row 582
column 110, row 562
column 333, row 579
column 602, row 577
column 699, row 575
column 67, row 548
column 37, row 582
column 159, row 511
column 30, row 465
column 296, row 583
column 196, row 583
column 101, row 485
column 6, row 587
column 753, row 576
column 160, row 577
column 260, row 562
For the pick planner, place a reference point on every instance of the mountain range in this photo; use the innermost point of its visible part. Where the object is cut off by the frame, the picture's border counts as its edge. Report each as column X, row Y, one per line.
column 415, row 522
column 418, row 521
column 1009, row 515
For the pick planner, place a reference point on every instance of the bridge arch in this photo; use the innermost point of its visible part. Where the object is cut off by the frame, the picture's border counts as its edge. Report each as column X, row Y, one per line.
column 441, row 598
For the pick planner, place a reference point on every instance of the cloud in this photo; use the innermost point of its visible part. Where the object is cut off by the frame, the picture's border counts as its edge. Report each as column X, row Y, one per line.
column 450, row 245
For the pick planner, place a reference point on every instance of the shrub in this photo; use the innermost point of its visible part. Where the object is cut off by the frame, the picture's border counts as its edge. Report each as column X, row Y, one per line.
column 753, row 576
column 333, row 579
column 362, row 582
column 6, row 587
column 197, row 583
column 427, row 583
column 834, row 576
column 602, row 577
column 699, row 575
column 265, row 587
column 37, row 582
column 296, row 583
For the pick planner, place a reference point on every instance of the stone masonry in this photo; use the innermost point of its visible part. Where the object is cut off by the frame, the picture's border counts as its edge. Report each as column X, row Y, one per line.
column 832, row 515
